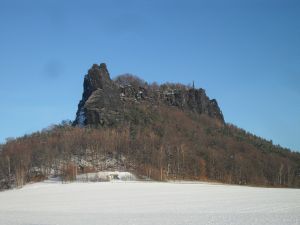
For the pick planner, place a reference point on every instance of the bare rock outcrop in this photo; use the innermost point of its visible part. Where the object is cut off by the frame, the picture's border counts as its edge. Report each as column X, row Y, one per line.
column 104, row 101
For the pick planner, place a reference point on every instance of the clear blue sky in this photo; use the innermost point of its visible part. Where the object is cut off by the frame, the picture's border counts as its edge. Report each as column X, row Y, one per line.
column 246, row 54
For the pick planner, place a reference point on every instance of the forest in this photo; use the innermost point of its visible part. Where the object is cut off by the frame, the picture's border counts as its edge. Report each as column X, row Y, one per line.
column 158, row 143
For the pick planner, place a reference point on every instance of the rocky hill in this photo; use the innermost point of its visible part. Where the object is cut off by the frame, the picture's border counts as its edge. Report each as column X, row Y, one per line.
column 105, row 102
column 158, row 132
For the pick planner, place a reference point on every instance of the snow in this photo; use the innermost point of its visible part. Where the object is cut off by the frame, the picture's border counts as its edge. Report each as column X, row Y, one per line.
column 147, row 203
column 106, row 176
column 81, row 117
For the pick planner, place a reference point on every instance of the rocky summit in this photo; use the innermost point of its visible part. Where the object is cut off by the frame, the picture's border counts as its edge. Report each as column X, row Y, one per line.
column 107, row 102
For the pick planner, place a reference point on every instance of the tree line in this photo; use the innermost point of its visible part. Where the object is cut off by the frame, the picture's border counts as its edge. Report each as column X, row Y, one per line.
column 159, row 143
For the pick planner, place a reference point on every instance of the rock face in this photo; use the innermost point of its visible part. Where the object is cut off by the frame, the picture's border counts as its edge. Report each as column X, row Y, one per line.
column 104, row 101
column 100, row 102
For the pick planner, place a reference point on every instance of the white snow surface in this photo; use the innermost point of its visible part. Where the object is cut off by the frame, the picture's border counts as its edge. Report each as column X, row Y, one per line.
column 106, row 176
column 147, row 203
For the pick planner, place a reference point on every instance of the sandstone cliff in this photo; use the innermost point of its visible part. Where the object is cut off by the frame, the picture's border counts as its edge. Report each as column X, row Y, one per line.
column 107, row 102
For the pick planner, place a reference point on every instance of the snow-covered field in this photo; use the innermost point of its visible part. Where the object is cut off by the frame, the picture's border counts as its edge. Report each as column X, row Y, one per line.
column 153, row 203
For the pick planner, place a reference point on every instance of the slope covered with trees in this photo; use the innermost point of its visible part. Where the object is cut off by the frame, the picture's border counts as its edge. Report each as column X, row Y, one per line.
column 159, row 132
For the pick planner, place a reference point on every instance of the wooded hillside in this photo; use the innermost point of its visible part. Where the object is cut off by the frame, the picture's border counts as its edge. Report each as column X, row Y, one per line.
column 160, row 132
column 158, row 143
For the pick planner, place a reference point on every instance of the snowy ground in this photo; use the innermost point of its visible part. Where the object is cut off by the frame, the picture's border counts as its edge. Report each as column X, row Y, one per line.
column 106, row 176
column 153, row 203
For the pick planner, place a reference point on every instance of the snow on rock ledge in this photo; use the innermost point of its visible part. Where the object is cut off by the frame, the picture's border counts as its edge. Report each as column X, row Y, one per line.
column 106, row 176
